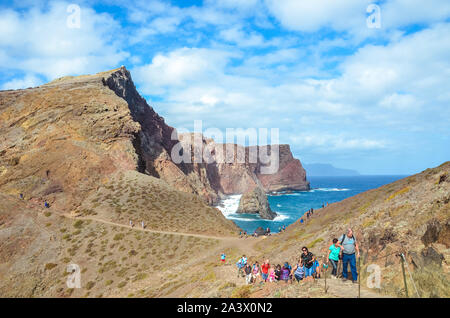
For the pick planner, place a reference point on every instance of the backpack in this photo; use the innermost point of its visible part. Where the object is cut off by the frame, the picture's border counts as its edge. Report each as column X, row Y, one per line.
column 343, row 239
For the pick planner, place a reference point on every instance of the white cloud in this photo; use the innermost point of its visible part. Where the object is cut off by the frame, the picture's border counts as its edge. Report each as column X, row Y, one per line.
column 25, row 82
column 311, row 16
column 38, row 41
column 399, row 13
column 325, row 142
column 182, row 66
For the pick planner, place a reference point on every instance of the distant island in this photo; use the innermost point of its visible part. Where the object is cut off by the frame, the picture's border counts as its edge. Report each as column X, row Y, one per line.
column 327, row 170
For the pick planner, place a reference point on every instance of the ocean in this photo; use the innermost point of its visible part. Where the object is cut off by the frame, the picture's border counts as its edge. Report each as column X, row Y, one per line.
column 291, row 206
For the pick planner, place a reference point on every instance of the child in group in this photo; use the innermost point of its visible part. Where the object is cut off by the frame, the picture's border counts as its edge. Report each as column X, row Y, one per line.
column 255, row 272
column 285, row 272
column 222, row 258
column 316, row 268
column 298, row 272
column 271, row 274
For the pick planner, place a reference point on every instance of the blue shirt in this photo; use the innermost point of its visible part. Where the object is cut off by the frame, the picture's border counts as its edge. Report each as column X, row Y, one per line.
column 334, row 255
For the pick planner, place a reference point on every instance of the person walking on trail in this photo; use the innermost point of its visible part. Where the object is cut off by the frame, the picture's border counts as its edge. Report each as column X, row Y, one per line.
column 307, row 262
column 248, row 273
column 298, row 271
column 316, row 267
column 142, row 224
column 46, row 204
column 265, row 270
column 285, row 273
column 350, row 251
column 131, row 223
column 333, row 257
column 278, row 272
column 272, row 277
column 255, row 272
column 241, row 264
column 223, row 258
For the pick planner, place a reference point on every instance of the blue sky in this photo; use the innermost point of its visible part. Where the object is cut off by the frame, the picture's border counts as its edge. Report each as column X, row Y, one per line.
column 371, row 99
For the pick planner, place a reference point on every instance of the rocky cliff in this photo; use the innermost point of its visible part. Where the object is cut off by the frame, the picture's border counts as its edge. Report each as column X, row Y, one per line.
column 235, row 169
column 255, row 202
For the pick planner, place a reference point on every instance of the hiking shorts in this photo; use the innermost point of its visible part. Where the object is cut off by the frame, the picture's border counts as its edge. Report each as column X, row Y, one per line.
column 298, row 277
column 264, row 276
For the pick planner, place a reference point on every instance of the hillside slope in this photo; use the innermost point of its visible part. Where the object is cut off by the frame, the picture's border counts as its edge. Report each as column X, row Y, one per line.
column 410, row 216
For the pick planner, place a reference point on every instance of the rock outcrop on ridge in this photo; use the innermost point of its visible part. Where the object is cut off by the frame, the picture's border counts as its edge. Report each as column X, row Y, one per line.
column 255, row 202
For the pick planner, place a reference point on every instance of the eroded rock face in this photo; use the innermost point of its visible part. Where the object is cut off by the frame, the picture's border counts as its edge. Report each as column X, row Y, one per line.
column 235, row 169
column 255, row 202
column 62, row 138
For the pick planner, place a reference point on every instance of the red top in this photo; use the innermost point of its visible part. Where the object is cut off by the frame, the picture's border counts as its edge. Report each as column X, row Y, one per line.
column 265, row 268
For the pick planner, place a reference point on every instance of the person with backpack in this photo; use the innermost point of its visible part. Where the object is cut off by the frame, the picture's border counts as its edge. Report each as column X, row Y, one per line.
column 333, row 257
column 307, row 262
column 350, row 251
column 223, row 258
column 298, row 272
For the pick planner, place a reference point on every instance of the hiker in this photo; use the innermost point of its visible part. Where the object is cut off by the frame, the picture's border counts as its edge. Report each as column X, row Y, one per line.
column 298, row 272
column 312, row 210
column 285, row 273
column 245, row 234
column 21, row 196
column 223, row 258
column 301, row 220
column 307, row 261
column 131, row 223
column 142, row 224
column 240, row 234
column 265, row 270
column 349, row 248
column 240, row 264
column 268, row 232
column 248, row 273
column 255, row 271
column 284, row 227
column 272, row 277
column 278, row 272
column 316, row 267
column 279, row 229
column 46, row 204
column 333, row 257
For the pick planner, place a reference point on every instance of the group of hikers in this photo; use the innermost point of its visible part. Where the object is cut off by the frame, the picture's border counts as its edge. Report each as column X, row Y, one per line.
column 308, row 267
column 260, row 232
column 132, row 224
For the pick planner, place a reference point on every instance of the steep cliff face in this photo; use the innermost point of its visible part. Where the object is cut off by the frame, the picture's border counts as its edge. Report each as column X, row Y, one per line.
column 235, row 169
column 102, row 121
column 290, row 174
column 255, row 202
